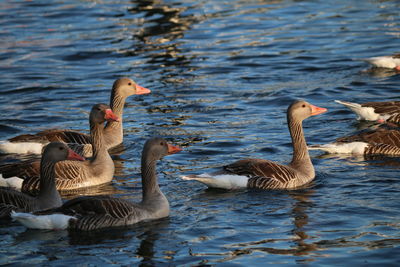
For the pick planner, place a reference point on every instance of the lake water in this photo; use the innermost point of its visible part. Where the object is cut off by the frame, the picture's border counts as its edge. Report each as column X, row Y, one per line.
column 222, row 74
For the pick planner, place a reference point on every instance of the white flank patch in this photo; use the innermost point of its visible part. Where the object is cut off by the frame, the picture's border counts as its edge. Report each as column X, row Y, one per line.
column 225, row 181
column 49, row 222
column 21, row 148
column 342, row 148
column 13, row 182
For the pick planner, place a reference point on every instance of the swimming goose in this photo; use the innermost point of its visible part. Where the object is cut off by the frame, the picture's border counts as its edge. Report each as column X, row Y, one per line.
column 48, row 196
column 73, row 174
column 381, row 141
column 386, row 111
column 94, row 212
column 113, row 132
column 265, row 174
column 390, row 62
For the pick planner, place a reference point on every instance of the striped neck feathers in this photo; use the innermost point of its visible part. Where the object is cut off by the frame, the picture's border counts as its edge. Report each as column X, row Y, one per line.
column 300, row 151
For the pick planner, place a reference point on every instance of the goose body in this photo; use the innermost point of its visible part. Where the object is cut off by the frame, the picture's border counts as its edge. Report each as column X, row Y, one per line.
column 265, row 174
column 95, row 212
column 48, row 197
column 390, row 62
column 113, row 132
column 73, row 174
column 386, row 111
column 382, row 141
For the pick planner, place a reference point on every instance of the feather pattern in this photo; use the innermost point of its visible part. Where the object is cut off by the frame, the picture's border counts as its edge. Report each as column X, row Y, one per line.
column 75, row 174
column 121, row 90
column 265, row 174
column 385, row 111
column 382, row 141
column 95, row 212
column 48, row 197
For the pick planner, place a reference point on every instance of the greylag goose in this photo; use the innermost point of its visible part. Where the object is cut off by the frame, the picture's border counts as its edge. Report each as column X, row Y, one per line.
column 265, row 174
column 74, row 174
column 386, row 111
column 381, row 141
column 113, row 132
column 48, row 196
column 390, row 62
column 94, row 212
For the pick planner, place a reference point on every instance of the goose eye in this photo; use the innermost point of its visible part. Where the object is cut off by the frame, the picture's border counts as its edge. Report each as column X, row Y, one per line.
column 303, row 105
column 60, row 148
column 162, row 143
column 129, row 83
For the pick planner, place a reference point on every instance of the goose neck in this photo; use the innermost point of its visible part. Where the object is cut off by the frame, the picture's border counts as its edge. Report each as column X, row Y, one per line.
column 117, row 103
column 47, row 187
column 300, row 151
column 96, row 134
column 149, row 178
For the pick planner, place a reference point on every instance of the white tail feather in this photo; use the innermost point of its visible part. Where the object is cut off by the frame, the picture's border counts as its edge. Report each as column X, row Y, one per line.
column 21, row 148
column 50, row 222
column 363, row 113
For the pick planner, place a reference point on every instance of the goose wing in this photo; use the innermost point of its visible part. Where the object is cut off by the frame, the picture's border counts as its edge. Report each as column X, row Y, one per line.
column 262, row 174
column 93, row 212
column 66, row 136
column 381, row 136
column 14, row 200
column 68, row 173
column 23, row 169
column 388, row 107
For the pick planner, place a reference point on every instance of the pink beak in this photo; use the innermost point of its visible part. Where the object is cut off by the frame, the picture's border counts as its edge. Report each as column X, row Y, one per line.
column 173, row 149
column 72, row 155
column 317, row 110
column 110, row 116
column 141, row 90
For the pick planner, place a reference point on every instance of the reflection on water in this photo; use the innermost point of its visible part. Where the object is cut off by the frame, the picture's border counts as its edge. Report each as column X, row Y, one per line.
column 158, row 36
column 222, row 74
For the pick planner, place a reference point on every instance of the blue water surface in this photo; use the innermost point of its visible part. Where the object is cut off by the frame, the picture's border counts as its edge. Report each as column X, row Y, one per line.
column 222, row 74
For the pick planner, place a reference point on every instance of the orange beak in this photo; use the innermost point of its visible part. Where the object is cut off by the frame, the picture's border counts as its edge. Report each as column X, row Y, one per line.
column 141, row 90
column 72, row 155
column 110, row 116
column 173, row 149
column 317, row 110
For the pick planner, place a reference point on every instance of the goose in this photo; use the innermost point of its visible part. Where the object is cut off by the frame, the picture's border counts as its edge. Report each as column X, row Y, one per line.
column 382, row 141
column 390, row 62
column 265, row 174
column 94, row 212
column 48, row 196
column 73, row 174
column 385, row 111
column 113, row 132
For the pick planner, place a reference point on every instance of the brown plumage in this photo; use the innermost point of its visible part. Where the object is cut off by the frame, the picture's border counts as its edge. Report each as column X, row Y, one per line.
column 95, row 212
column 72, row 174
column 113, row 132
column 381, row 135
column 48, row 196
column 265, row 174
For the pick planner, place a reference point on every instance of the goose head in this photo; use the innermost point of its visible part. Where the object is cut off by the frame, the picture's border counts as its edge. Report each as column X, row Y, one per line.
column 57, row 151
column 158, row 147
column 126, row 87
column 101, row 113
column 300, row 110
